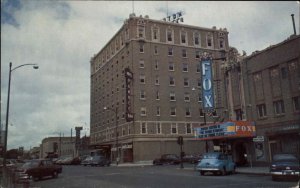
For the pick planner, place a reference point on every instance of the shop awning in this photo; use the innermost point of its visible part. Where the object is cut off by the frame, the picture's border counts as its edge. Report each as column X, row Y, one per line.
column 229, row 129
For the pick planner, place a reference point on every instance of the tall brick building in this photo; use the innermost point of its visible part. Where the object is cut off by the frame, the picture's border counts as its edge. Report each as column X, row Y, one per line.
column 160, row 99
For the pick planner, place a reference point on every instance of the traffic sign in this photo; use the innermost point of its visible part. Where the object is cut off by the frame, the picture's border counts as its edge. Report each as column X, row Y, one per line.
column 258, row 139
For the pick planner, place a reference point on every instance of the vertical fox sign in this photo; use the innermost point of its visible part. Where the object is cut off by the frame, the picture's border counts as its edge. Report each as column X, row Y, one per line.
column 207, row 85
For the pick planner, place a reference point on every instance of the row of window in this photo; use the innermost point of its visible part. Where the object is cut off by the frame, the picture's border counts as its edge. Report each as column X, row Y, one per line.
column 171, row 66
column 158, row 128
column 172, row 96
column 145, row 129
column 188, row 112
column 186, row 81
column 278, row 106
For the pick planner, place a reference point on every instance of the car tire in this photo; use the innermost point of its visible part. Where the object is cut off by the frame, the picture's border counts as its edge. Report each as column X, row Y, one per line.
column 234, row 170
column 202, row 173
column 55, row 174
column 274, row 178
column 224, row 172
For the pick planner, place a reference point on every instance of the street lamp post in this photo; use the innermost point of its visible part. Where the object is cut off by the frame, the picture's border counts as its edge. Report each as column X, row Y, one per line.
column 35, row 66
column 116, row 116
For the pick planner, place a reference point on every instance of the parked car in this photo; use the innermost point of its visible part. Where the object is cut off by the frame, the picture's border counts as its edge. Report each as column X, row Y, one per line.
column 217, row 163
column 285, row 166
column 87, row 161
column 39, row 168
column 191, row 158
column 99, row 160
column 167, row 159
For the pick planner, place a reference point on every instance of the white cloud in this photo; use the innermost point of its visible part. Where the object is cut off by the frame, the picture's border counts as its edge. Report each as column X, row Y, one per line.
column 62, row 36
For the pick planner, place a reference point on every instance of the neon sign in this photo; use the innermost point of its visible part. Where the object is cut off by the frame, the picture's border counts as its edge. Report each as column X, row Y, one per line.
column 207, row 85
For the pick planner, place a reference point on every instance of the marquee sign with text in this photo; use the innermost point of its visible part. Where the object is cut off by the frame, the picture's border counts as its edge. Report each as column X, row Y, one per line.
column 230, row 129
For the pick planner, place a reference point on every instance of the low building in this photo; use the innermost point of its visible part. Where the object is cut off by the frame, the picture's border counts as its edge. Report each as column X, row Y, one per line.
column 59, row 146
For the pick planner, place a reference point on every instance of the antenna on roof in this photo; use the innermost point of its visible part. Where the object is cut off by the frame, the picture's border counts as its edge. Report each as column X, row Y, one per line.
column 133, row 6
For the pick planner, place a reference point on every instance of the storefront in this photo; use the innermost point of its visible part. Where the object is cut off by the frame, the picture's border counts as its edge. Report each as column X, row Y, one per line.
column 232, row 137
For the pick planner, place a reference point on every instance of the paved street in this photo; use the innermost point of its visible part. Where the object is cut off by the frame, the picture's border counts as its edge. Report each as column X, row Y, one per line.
column 152, row 177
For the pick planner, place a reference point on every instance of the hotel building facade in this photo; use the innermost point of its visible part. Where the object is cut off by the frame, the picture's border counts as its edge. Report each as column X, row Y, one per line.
column 146, row 89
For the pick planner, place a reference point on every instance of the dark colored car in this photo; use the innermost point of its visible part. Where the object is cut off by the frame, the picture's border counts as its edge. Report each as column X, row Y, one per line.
column 167, row 159
column 39, row 168
column 99, row 160
column 87, row 161
column 285, row 166
column 191, row 158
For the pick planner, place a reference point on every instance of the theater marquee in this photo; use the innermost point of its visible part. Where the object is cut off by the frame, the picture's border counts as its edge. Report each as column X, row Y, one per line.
column 230, row 129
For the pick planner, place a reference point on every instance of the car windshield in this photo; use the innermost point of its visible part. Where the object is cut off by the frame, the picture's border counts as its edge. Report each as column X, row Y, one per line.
column 31, row 164
column 284, row 157
column 210, row 156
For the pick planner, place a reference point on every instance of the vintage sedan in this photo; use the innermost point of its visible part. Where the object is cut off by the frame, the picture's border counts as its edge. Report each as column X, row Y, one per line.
column 217, row 163
column 167, row 159
column 37, row 169
column 285, row 166
column 100, row 160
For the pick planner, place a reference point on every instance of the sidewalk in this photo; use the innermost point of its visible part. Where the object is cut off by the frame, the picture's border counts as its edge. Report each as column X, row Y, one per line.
column 240, row 170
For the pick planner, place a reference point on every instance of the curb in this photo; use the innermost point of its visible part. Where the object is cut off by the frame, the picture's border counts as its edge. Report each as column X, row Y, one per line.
column 254, row 173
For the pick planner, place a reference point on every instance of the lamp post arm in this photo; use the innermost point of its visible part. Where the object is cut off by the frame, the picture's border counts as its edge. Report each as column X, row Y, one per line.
column 22, row 66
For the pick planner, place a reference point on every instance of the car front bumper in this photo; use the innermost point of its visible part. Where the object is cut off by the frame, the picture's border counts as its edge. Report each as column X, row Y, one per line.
column 208, row 169
column 285, row 173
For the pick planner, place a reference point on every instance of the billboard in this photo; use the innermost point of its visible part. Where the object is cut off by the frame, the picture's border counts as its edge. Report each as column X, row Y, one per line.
column 207, row 85
column 230, row 129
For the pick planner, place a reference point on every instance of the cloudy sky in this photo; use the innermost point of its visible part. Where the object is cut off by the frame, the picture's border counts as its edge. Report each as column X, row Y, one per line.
column 62, row 36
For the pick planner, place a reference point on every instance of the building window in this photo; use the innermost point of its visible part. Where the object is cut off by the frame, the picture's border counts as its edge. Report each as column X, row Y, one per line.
column 157, row 111
column 156, row 64
column 141, row 48
column 183, row 37
column 197, row 53
column 142, row 79
column 199, row 82
column 198, row 67
column 172, row 96
column 261, row 110
column 173, row 111
column 239, row 114
column 142, row 64
column 185, row 67
column 142, row 95
column 155, row 34
column 157, row 95
column 171, row 66
column 155, row 50
column 143, row 111
column 188, row 111
column 143, row 128
column 197, row 39
column 172, row 81
column 188, row 128
column 283, row 72
column 186, row 82
column 221, row 43
column 186, row 97
column 141, row 31
column 296, row 103
column 169, row 35
column 173, row 128
column 209, row 41
column 184, row 53
column 170, row 51
column 158, row 128
column 279, row 107
column 157, row 80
